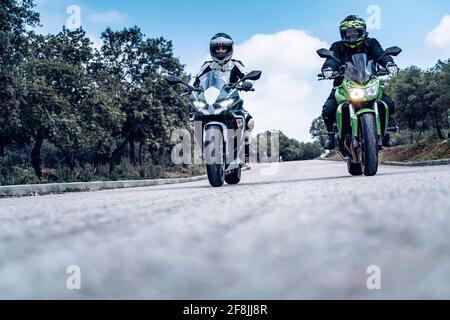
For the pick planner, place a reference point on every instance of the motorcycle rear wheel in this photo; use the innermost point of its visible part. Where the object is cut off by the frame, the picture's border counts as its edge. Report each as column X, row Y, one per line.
column 234, row 177
column 355, row 169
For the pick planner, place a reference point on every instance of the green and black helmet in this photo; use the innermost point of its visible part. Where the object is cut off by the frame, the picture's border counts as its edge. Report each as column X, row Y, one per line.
column 353, row 31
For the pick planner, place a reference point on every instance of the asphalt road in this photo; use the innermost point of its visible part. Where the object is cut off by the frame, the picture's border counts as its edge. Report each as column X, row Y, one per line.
column 298, row 231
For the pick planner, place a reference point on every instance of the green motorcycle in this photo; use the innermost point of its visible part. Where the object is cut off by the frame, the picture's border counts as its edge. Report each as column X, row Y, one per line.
column 362, row 116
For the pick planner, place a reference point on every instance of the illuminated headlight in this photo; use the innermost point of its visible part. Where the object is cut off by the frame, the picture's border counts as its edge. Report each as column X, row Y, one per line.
column 199, row 104
column 359, row 93
column 226, row 103
column 356, row 93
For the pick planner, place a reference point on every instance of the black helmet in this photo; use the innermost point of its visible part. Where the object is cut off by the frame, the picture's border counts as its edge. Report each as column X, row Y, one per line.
column 353, row 31
column 221, row 47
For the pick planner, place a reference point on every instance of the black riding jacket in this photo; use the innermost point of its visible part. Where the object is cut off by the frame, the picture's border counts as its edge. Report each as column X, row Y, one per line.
column 371, row 47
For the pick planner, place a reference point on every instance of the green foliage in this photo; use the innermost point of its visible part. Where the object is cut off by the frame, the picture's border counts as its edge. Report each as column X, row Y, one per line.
column 293, row 150
column 88, row 109
column 318, row 130
column 15, row 18
column 16, row 175
column 423, row 99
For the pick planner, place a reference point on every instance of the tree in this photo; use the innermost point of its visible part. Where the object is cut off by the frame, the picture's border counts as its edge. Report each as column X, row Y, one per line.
column 293, row 150
column 441, row 105
column 15, row 18
column 422, row 99
column 409, row 90
column 318, row 130
column 136, row 67
column 63, row 103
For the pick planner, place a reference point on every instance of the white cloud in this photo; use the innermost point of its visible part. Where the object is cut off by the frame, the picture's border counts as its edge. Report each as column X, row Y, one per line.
column 113, row 17
column 288, row 96
column 438, row 39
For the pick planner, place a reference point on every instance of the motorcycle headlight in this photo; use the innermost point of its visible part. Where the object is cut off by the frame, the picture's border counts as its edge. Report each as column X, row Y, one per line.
column 224, row 104
column 372, row 90
column 356, row 93
column 199, row 104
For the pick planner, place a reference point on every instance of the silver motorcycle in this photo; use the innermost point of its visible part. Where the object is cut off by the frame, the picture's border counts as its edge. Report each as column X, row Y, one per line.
column 218, row 108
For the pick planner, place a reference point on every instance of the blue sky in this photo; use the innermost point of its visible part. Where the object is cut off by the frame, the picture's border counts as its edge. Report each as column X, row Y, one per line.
column 190, row 24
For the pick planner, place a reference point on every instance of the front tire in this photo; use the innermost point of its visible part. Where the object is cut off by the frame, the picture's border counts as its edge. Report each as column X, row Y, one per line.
column 234, row 176
column 216, row 175
column 215, row 167
column 369, row 145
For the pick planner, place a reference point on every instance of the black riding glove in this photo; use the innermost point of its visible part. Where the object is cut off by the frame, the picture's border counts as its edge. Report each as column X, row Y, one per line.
column 327, row 73
column 247, row 86
column 392, row 68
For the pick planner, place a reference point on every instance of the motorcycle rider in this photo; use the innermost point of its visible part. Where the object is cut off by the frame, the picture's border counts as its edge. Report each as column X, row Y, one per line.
column 355, row 39
column 222, row 49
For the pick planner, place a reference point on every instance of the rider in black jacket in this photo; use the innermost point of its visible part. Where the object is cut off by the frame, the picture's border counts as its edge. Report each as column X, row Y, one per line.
column 354, row 40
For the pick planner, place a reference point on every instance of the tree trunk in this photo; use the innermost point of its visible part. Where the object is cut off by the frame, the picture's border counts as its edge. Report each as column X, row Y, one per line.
column 141, row 149
column 2, row 147
column 156, row 155
column 132, row 152
column 438, row 127
column 36, row 159
column 116, row 153
column 70, row 161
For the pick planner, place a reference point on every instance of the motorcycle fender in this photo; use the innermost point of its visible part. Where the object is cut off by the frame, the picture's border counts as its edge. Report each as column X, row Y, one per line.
column 355, row 120
column 224, row 134
column 381, row 103
column 339, row 119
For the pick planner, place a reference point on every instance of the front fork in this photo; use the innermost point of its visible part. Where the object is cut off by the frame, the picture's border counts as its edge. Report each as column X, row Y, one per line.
column 378, row 122
column 355, row 147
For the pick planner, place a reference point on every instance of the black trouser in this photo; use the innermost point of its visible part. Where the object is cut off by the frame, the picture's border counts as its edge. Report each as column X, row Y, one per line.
column 331, row 106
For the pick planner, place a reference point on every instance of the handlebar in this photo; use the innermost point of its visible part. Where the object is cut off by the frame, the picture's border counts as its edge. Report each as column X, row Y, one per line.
column 241, row 89
column 340, row 74
column 383, row 73
column 336, row 75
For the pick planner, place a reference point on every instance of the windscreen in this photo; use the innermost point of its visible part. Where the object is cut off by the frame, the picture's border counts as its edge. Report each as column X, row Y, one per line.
column 212, row 85
column 360, row 69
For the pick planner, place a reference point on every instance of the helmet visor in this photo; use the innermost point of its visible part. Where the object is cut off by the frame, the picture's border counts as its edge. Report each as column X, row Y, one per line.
column 221, row 51
column 353, row 35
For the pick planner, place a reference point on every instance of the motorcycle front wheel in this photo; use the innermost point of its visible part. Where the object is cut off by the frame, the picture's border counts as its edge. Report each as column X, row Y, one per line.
column 369, row 145
column 216, row 175
column 215, row 167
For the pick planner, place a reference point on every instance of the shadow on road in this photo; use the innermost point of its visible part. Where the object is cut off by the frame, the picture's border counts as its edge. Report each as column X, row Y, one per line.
column 287, row 181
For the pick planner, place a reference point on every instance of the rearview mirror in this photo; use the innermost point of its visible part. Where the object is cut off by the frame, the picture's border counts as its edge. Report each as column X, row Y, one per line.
column 254, row 75
column 325, row 53
column 172, row 80
column 393, row 51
